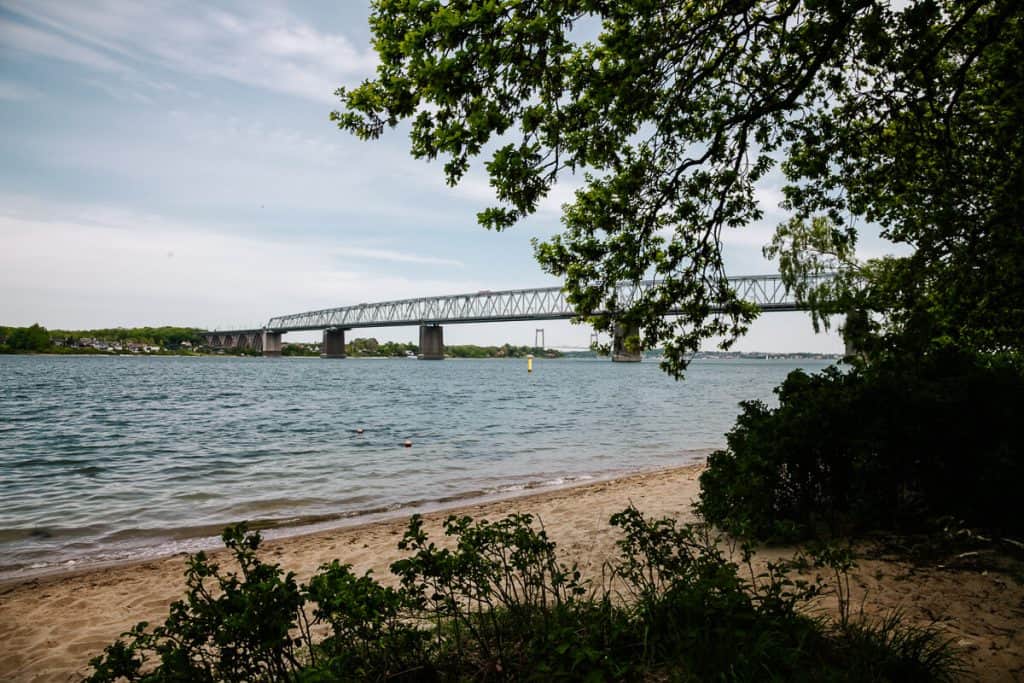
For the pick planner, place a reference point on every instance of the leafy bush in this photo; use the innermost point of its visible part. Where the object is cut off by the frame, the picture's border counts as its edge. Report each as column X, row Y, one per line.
column 890, row 446
column 230, row 627
column 370, row 635
column 499, row 597
column 499, row 605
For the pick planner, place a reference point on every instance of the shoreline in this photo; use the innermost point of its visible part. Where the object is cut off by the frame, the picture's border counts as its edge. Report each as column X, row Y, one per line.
column 207, row 536
column 51, row 626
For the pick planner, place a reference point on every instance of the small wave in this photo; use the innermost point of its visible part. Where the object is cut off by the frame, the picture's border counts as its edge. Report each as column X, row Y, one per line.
column 51, row 534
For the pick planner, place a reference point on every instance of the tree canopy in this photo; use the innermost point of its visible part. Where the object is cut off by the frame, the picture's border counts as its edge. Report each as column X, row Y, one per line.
column 903, row 115
column 34, row 338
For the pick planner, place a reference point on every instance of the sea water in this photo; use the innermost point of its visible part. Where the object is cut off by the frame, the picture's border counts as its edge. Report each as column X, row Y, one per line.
column 112, row 458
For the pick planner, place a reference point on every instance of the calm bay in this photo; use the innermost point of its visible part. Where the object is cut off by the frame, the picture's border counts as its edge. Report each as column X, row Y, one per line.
column 112, row 458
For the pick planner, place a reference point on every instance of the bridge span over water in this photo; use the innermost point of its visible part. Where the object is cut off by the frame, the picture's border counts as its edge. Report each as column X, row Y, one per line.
column 546, row 303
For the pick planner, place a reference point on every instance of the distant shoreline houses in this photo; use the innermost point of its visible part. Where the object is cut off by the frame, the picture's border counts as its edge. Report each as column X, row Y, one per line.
column 655, row 354
column 189, row 341
column 759, row 355
column 114, row 346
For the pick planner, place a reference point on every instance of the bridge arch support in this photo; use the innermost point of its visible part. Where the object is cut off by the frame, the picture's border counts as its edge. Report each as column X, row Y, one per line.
column 431, row 342
column 333, row 344
column 270, row 343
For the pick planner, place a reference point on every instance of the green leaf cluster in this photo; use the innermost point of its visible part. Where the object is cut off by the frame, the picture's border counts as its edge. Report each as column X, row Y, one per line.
column 495, row 603
column 361, row 346
column 33, row 338
column 903, row 115
column 892, row 445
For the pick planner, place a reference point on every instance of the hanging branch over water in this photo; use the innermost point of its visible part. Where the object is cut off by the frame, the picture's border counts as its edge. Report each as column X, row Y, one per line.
column 908, row 118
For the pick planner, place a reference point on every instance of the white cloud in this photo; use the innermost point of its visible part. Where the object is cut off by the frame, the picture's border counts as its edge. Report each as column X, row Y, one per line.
column 119, row 93
column 475, row 190
column 752, row 236
column 564, row 192
column 95, row 271
column 394, row 256
column 770, row 198
column 268, row 49
column 34, row 41
column 236, row 164
column 16, row 92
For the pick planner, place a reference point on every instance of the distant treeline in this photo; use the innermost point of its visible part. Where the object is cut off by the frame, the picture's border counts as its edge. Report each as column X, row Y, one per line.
column 38, row 339
column 34, row 338
column 370, row 347
column 166, row 336
column 504, row 351
column 719, row 355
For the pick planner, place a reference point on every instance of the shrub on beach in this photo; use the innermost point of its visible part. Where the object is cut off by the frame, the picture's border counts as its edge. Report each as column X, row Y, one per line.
column 498, row 605
column 892, row 445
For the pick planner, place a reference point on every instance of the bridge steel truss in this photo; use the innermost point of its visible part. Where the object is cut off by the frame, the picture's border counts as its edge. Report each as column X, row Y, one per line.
column 546, row 303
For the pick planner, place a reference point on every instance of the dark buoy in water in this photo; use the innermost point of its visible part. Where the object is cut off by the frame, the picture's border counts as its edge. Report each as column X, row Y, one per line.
column 408, row 443
column 359, row 430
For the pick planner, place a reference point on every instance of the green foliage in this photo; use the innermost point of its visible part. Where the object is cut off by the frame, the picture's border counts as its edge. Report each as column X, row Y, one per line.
column 889, row 446
column 503, row 351
column 370, row 635
column 34, row 338
column 699, row 612
column 501, row 597
column 360, row 347
column 807, row 250
column 939, row 167
column 300, row 350
column 167, row 336
column 397, row 349
column 371, row 347
column 891, row 650
column 230, row 627
column 904, row 115
column 498, row 605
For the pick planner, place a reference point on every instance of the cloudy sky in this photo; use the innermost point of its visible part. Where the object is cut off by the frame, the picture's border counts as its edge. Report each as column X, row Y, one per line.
column 173, row 163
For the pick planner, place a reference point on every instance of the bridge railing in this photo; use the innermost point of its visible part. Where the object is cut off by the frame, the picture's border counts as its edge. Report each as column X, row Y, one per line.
column 544, row 303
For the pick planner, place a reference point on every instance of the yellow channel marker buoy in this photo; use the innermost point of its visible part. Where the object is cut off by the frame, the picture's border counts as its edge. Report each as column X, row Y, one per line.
column 529, row 362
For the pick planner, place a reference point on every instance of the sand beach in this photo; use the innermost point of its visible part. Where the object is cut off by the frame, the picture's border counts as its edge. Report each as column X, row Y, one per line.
column 51, row 626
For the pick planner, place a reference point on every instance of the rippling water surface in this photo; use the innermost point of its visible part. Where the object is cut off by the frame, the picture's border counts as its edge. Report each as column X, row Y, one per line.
column 108, row 458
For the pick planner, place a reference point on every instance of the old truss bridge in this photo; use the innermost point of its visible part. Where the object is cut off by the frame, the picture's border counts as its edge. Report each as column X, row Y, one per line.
column 546, row 303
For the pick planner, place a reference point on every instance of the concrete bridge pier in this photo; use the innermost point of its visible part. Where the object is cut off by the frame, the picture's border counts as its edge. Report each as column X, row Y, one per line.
column 334, row 344
column 271, row 344
column 626, row 343
column 431, row 342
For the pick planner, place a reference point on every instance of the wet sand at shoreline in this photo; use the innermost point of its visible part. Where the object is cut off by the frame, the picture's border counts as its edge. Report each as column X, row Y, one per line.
column 51, row 626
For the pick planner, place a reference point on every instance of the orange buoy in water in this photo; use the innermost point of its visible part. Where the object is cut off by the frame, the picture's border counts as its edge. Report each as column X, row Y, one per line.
column 408, row 443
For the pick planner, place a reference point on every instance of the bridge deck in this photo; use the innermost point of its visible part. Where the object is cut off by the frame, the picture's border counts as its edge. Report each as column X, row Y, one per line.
column 545, row 303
